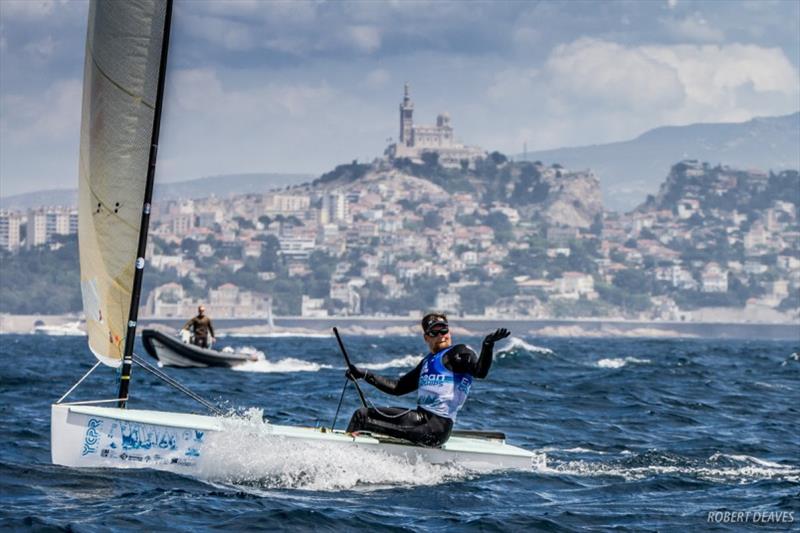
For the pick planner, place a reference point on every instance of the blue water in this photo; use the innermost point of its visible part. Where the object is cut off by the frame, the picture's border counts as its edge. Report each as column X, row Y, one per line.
column 637, row 435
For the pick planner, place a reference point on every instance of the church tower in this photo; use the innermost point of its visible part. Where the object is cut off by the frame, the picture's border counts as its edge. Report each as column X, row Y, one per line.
column 406, row 120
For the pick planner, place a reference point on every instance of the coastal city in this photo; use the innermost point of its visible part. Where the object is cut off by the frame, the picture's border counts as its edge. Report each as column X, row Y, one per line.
column 423, row 266
column 435, row 224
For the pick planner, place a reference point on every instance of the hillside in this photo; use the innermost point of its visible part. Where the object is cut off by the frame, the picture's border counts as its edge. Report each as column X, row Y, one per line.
column 502, row 238
column 540, row 194
column 724, row 189
column 631, row 170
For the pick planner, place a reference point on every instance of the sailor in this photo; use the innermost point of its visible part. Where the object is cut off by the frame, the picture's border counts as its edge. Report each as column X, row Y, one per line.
column 443, row 379
column 200, row 327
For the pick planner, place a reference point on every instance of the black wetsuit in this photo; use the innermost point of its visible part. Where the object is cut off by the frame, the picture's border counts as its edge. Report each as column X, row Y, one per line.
column 418, row 425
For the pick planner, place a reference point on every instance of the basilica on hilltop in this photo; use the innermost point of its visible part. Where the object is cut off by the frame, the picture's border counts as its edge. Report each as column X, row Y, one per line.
column 417, row 139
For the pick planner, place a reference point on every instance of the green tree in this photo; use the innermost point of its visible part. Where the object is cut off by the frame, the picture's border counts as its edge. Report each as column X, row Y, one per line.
column 633, row 280
column 503, row 230
column 474, row 299
column 432, row 219
column 430, row 161
column 41, row 280
column 270, row 259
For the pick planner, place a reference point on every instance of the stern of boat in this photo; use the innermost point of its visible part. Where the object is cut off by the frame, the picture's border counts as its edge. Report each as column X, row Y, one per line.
column 65, row 438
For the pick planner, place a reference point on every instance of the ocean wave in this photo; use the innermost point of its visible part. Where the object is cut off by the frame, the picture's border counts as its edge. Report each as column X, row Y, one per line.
column 247, row 454
column 252, row 351
column 718, row 468
column 282, row 334
column 577, row 449
column 619, row 362
column 401, row 362
column 795, row 357
column 772, row 385
column 287, row 365
column 515, row 345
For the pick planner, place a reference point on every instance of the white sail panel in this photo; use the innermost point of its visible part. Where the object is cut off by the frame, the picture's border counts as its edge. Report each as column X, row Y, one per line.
column 120, row 81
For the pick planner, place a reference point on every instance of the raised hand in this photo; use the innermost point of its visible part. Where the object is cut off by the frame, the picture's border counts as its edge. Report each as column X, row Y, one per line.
column 492, row 338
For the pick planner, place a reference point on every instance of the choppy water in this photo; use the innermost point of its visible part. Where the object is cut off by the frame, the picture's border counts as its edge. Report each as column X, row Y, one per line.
column 637, row 434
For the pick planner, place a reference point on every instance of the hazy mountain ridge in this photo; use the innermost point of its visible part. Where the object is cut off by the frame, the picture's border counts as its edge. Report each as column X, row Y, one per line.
column 223, row 186
column 630, row 170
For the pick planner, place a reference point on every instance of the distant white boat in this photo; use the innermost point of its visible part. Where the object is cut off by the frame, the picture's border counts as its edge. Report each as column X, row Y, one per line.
column 70, row 329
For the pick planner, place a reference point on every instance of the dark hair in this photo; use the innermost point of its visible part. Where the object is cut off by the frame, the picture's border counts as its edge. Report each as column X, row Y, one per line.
column 428, row 319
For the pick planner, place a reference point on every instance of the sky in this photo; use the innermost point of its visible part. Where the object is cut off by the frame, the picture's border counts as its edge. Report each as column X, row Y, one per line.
column 299, row 87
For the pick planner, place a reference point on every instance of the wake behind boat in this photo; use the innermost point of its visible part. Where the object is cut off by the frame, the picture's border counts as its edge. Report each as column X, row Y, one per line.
column 70, row 329
column 172, row 351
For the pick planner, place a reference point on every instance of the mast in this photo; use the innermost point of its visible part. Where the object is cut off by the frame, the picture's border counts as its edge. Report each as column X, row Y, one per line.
column 133, row 313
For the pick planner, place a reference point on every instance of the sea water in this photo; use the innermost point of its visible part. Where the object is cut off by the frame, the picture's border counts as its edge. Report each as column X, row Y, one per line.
column 633, row 434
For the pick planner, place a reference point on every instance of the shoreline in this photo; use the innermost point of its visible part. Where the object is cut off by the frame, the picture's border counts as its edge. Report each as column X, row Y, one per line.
column 470, row 325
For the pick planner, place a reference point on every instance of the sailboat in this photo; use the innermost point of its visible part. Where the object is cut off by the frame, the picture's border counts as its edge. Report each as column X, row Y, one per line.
column 124, row 73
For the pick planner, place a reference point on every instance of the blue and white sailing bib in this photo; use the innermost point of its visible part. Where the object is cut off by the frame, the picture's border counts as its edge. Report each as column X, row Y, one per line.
column 442, row 391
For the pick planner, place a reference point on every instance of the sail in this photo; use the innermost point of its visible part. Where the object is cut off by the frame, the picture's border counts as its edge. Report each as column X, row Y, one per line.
column 120, row 82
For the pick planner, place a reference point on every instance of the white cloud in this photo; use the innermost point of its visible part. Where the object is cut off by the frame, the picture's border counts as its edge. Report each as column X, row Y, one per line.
column 201, row 90
column 53, row 115
column 597, row 91
column 611, row 75
column 364, row 38
column 226, row 33
column 672, row 4
column 711, row 75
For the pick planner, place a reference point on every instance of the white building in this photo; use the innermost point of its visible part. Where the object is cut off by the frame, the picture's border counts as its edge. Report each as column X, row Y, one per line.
column 313, row 307
column 182, row 223
column 44, row 223
column 229, row 301
column 714, row 279
column 286, row 204
column 756, row 238
column 10, row 230
column 677, row 276
column 347, row 293
column 573, row 285
column 297, row 247
column 414, row 140
column 448, row 302
column 511, row 214
column 36, row 228
column 688, row 207
column 334, row 208
column 169, row 301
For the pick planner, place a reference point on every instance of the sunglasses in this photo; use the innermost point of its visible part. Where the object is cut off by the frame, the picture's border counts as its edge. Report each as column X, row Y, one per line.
column 438, row 331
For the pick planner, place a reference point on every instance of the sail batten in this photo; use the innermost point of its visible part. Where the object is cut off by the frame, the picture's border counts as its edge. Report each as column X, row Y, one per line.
column 124, row 62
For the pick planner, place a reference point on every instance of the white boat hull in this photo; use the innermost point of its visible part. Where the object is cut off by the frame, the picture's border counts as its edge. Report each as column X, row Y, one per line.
column 91, row 436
